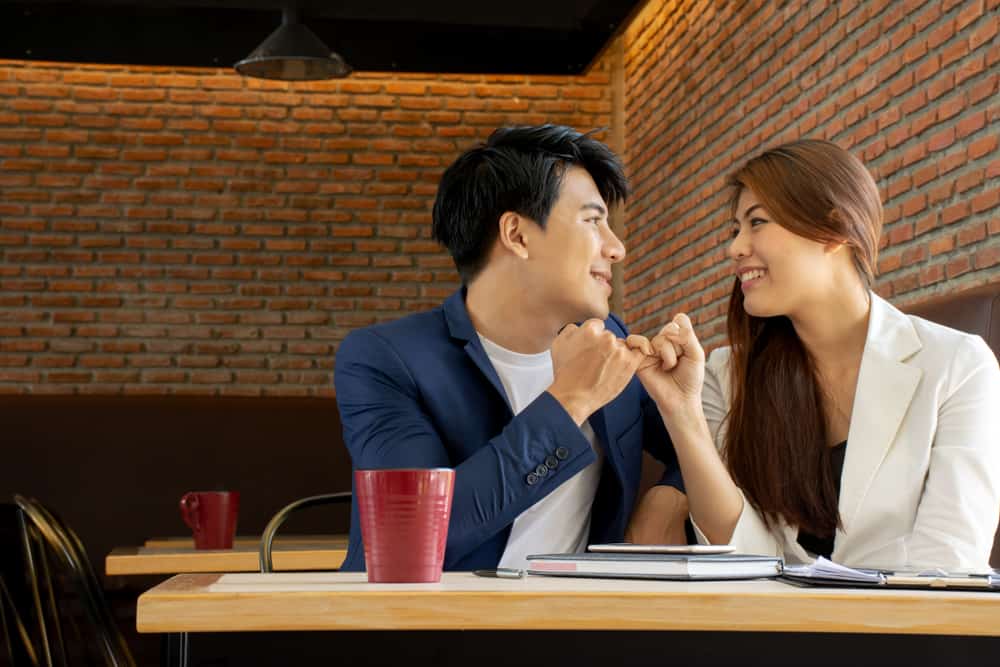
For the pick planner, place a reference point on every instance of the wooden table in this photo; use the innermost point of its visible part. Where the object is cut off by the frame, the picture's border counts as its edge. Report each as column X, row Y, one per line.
column 462, row 601
column 176, row 541
column 581, row 612
column 180, row 556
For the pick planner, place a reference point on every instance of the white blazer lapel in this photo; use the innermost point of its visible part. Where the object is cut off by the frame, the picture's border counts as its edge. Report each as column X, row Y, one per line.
column 885, row 388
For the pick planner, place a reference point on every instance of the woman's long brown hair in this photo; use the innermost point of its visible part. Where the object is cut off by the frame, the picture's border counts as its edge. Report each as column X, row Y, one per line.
column 776, row 444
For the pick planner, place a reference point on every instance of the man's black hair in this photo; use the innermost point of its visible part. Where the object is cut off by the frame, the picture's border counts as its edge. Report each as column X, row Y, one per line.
column 518, row 169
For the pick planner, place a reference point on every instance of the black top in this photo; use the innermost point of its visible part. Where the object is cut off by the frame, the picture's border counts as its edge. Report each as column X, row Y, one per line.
column 823, row 546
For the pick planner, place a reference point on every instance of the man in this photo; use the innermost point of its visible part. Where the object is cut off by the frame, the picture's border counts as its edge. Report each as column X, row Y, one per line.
column 543, row 420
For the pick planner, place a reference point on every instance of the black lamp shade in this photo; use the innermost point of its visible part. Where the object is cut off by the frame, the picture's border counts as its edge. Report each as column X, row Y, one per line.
column 293, row 52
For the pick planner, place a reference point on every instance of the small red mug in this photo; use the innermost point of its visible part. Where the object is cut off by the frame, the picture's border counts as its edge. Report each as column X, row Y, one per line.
column 211, row 516
column 404, row 522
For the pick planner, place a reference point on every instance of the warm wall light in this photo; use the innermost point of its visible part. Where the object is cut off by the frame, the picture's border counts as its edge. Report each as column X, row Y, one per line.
column 293, row 52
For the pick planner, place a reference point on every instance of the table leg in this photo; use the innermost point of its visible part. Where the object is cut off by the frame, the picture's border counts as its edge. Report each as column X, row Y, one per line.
column 174, row 650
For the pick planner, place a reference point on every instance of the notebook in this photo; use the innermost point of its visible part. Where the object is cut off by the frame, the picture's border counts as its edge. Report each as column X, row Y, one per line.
column 824, row 572
column 655, row 565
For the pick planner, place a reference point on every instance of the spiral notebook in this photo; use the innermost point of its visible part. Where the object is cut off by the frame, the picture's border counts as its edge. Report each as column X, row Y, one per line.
column 824, row 572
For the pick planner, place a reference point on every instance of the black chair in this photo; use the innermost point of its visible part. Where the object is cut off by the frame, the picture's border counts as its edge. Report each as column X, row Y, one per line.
column 61, row 580
column 17, row 647
column 267, row 537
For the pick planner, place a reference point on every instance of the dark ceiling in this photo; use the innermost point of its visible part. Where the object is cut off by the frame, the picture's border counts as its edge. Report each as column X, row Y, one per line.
column 484, row 36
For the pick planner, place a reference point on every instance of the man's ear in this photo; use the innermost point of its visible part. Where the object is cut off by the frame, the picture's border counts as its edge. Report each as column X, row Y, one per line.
column 513, row 231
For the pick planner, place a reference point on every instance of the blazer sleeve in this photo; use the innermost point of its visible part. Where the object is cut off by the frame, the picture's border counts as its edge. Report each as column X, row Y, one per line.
column 385, row 426
column 958, row 511
column 751, row 534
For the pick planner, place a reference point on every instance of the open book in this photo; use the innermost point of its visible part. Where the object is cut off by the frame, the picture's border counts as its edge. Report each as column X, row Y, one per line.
column 655, row 565
column 824, row 572
column 825, row 569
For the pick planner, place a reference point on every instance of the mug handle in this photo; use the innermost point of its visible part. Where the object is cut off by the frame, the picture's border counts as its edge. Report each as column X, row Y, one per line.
column 189, row 510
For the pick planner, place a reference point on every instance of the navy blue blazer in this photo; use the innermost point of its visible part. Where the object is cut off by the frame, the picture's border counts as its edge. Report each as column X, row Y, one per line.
column 420, row 392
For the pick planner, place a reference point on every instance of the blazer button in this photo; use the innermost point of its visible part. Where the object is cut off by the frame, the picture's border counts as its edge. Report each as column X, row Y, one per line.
column 552, row 462
column 531, row 479
column 562, row 453
column 542, row 470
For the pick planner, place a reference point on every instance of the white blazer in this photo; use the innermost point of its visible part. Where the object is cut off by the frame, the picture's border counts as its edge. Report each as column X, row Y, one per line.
column 921, row 479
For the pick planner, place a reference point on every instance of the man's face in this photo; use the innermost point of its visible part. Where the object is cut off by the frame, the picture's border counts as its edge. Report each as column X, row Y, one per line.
column 570, row 260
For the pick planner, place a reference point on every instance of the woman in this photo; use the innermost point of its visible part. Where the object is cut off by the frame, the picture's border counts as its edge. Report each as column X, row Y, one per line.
column 846, row 428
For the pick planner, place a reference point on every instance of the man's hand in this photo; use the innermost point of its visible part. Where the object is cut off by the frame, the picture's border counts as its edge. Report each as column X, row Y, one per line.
column 659, row 518
column 590, row 367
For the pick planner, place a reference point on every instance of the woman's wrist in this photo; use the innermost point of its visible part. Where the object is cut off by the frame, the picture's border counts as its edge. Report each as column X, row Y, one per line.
column 683, row 413
column 686, row 423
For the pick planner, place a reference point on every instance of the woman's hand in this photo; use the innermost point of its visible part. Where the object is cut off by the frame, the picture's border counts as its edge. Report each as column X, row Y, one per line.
column 673, row 370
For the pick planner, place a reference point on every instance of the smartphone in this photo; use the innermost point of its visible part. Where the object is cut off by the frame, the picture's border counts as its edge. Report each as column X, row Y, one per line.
column 628, row 547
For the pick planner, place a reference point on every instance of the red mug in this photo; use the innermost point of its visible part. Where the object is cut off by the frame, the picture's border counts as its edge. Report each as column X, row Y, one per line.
column 404, row 522
column 211, row 515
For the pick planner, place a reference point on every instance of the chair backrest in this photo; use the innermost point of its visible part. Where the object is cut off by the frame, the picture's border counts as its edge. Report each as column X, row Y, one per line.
column 48, row 542
column 342, row 497
column 975, row 311
column 18, row 647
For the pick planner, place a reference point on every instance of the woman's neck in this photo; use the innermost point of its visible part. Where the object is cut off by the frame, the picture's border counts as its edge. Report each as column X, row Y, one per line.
column 834, row 329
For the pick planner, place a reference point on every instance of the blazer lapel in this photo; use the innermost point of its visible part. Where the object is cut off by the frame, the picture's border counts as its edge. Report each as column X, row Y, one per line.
column 474, row 348
column 460, row 327
column 600, row 426
column 886, row 385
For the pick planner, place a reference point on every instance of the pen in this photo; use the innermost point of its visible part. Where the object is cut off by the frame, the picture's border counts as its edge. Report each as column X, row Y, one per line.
column 500, row 573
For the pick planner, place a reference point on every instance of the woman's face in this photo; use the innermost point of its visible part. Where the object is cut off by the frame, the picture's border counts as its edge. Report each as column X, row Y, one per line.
column 779, row 272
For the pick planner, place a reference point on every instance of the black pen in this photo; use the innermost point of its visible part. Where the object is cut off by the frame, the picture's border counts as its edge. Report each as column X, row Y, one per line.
column 500, row 573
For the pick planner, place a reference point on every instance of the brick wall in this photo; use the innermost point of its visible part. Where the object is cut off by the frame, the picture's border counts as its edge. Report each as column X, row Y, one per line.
column 189, row 231
column 910, row 87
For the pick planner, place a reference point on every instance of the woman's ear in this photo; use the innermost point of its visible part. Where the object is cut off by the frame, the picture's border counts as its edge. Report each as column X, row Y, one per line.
column 838, row 244
column 831, row 247
column 513, row 234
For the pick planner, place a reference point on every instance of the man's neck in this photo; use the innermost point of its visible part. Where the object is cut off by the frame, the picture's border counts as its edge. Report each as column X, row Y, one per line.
column 503, row 310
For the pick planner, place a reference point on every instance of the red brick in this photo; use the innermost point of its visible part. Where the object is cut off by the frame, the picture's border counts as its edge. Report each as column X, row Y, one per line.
column 914, row 205
column 970, row 124
column 969, row 180
column 941, row 245
column 67, row 377
column 954, row 213
column 932, row 274
column 983, row 146
column 958, row 266
column 941, row 140
column 987, row 257
column 983, row 33
column 985, row 201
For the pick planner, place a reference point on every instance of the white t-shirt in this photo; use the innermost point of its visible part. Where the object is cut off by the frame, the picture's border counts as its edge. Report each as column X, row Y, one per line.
column 559, row 522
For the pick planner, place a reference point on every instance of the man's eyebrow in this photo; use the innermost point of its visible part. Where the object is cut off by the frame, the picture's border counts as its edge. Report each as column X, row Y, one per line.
column 595, row 207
